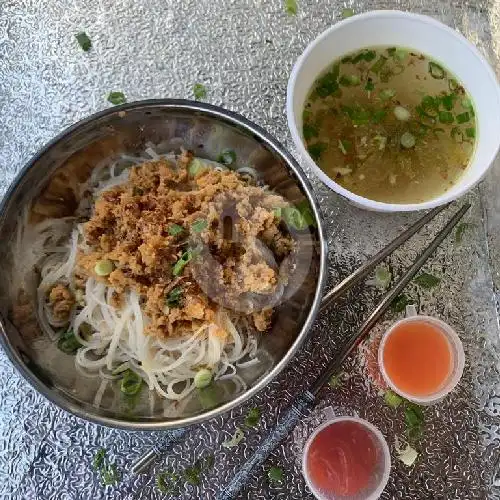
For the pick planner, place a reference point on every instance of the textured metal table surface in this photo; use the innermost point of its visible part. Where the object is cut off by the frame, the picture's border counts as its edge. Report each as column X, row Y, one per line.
column 243, row 51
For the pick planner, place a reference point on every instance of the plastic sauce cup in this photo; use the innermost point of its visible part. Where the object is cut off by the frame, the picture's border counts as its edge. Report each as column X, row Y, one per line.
column 358, row 456
column 456, row 353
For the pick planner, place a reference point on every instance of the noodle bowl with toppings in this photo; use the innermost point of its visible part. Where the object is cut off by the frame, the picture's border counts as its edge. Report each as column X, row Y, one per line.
column 167, row 274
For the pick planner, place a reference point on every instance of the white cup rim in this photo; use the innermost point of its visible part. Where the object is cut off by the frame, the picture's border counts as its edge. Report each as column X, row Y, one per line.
column 357, row 199
column 455, row 345
column 374, row 431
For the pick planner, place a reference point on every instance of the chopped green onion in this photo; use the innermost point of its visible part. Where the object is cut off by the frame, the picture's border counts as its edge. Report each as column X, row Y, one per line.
column 275, row 474
column 452, row 84
column 347, row 13
column 387, row 94
column 175, row 229
column 408, row 455
column 377, row 67
column 227, row 157
column 203, row 378
column 400, row 302
column 408, row 140
column 378, row 115
column 210, row 396
column 369, row 85
column 309, row 131
column 166, row 481
column 291, row 7
column 199, row 226
column 235, row 439
column 436, row 70
column 328, row 84
column 463, row 117
column 426, row 280
column 199, row 91
column 117, row 98
column 391, row 51
column 307, row 213
column 68, row 343
column 253, row 417
column 131, row 383
column 174, row 297
column 306, row 115
column 446, row 117
column 457, row 134
column 99, row 459
column 429, row 106
column 345, row 146
column 470, row 132
column 195, row 167
column 392, row 399
column 316, row 150
column 335, row 381
column 277, row 212
column 192, row 474
column 461, row 228
column 109, row 475
column 402, row 114
column 294, row 218
column 414, row 418
column 104, row 267
column 349, row 80
column 364, row 55
column 382, row 278
column 84, row 41
column 182, row 262
column 467, row 103
column 448, row 101
column 400, row 54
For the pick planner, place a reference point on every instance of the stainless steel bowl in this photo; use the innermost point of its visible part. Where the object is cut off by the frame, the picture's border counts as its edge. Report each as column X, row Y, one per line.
column 69, row 158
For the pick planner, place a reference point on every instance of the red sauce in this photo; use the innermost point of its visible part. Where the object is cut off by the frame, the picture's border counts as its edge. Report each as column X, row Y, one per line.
column 342, row 459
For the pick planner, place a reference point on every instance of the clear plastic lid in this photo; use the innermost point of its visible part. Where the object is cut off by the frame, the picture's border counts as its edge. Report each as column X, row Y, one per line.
column 456, row 351
column 353, row 452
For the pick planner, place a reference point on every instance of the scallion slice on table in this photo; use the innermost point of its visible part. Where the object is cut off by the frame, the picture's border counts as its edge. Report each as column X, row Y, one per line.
column 235, row 439
column 84, row 41
column 117, row 98
column 199, row 91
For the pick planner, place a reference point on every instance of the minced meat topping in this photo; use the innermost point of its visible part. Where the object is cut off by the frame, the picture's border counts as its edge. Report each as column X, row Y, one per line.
column 188, row 241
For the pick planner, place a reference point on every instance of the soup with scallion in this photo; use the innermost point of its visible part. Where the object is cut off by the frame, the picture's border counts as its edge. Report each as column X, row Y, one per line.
column 390, row 124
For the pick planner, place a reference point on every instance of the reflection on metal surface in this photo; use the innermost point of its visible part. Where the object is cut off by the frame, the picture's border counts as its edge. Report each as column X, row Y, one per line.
column 243, row 52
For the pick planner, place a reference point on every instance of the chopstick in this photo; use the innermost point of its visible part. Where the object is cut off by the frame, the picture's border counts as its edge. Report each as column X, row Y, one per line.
column 304, row 404
column 370, row 264
column 147, row 458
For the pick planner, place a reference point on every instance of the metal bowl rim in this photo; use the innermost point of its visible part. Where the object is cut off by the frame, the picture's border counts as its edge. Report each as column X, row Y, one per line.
column 234, row 119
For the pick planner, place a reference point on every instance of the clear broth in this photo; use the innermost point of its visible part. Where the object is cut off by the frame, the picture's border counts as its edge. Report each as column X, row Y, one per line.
column 391, row 125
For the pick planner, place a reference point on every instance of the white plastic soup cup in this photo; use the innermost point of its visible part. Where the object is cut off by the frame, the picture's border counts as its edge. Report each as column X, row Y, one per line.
column 457, row 358
column 382, row 471
column 423, row 34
